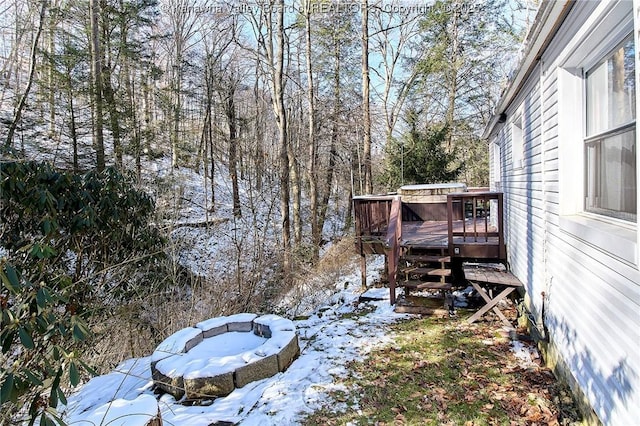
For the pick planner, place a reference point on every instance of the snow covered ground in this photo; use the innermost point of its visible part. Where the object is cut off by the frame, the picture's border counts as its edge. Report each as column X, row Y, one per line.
column 329, row 339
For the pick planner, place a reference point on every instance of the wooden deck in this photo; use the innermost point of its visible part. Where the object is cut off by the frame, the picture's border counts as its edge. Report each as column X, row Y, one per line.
column 427, row 237
column 432, row 235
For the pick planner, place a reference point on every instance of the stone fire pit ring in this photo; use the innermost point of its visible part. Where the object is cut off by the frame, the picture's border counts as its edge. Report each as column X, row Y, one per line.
column 216, row 356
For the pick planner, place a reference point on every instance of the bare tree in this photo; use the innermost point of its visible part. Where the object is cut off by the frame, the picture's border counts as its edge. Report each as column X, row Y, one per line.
column 12, row 35
column 69, row 64
column 32, row 69
column 186, row 25
column 96, row 72
column 268, row 25
column 333, row 50
column 109, row 92
column 220, row 76
column 227, row 90
column 316, row 232
column 392, row 37
column 366, row 109
column 278, row 82
column 207, row 136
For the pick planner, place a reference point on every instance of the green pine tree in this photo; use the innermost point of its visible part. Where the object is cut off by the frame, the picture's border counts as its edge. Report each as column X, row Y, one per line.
column 420, row 157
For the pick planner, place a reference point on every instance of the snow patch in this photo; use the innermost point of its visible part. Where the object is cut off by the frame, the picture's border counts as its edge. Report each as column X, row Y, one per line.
column 525, row 354
column 121, row 412
column 328, row 341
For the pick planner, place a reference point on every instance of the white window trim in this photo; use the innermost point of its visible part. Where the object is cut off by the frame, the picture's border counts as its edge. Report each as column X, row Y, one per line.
column 495, row 170
column 608, row 25
column 517, row 139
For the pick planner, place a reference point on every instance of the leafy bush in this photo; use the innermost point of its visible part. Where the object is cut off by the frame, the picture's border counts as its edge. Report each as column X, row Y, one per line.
column 41, row 330
column 67, row 237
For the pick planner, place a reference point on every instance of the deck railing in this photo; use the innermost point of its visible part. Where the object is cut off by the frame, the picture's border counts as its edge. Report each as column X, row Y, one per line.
column 479, row 234
column 371, row 221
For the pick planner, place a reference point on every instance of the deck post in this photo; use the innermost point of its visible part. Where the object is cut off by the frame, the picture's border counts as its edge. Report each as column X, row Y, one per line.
column 392, row 245
column 363, row 269
column 371, row 214
column 500, row 222
column 450, row 223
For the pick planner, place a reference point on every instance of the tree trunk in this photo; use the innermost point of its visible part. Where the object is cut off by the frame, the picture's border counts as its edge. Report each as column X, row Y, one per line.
column 132, row 113
column 296, row 191
column 213, row 163
column 72, row 126
column 148, row 128
column 348, row 217
column 316, row 232
column 230, row 109
column 281, row 119
column 323, row 204
column 52, row 78
column 32, row 69
column 207, row 132
column 366, row 113
column 328, row 178
column 177, row 107
column 452, row 80
column 96, row 69
column 72, row 116
column 259, row 133
column 114, row 118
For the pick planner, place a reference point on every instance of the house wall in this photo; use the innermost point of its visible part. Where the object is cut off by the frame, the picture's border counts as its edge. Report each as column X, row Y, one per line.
column 580, row 272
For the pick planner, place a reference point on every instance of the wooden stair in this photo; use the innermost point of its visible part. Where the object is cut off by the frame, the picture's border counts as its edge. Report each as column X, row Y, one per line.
column 426, row 285
column 425, row 269
column 427, row 258
column 439, row 272
column 430, row 270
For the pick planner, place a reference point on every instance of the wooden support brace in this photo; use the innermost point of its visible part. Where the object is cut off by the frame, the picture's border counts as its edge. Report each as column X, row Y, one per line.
column 490, row 304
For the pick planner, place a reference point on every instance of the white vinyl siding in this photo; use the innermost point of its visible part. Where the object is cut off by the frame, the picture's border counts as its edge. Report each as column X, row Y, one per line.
column 522, row 182
column 587, row 267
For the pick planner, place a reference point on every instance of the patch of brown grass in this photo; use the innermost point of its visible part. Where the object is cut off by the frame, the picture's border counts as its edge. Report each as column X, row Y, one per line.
column 445, row 372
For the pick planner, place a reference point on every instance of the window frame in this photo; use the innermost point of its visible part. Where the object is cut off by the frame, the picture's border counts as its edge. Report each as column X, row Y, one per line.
column 603, row 135
column 517, row 140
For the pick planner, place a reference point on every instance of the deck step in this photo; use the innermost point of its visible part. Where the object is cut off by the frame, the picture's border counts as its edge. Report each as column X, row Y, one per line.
column 421, row 305
column 422, row 285
column 427, row 271
column 426, row 258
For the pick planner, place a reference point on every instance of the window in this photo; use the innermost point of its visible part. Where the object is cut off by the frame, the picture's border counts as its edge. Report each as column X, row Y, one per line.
column 517, row 141
column 495, row 170
column 610, row 147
